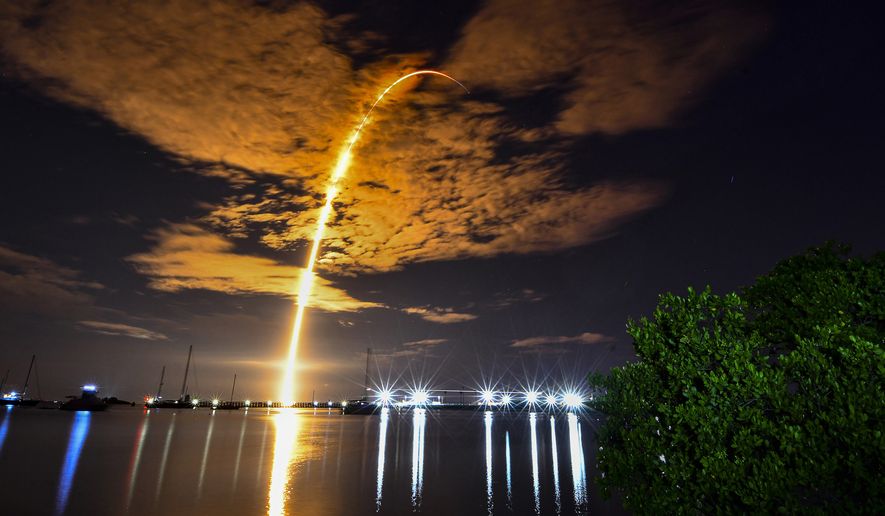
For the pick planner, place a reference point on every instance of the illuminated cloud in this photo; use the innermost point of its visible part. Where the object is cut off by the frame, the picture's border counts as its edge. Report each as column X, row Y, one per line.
column 30, row 284
column 259, row 95
column 624, row 65
column 226, row 84
column 439, row 315
column 425, row 342
column 122, row 330
column 188, row 257
column 584, row 338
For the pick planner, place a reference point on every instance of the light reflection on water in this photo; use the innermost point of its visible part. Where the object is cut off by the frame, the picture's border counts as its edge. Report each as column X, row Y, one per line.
column 205, row 453
column 382, row 449
column 240, row 449
column 79, row 430
column 557, row 502
column 536, row 486
column 507, row 458
column 193, row 461
column 576, row 451
column 419, row 421
column 165, row 456
column 136, row 458
column 488, row 421
column 4, row 427
column 287, row 424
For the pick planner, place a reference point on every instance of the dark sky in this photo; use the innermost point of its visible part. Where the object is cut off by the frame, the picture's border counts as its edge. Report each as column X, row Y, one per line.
column 163, row 167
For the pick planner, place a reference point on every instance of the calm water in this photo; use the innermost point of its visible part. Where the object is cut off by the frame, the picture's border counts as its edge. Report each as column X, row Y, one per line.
column 128, row 460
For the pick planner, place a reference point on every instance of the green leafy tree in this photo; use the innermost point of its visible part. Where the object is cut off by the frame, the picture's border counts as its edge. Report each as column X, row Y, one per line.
column 769, row 401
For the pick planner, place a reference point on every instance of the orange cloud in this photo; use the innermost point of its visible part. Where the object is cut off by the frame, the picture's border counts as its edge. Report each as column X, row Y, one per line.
column 188, row 257
column 251, row 93
column 439, row 315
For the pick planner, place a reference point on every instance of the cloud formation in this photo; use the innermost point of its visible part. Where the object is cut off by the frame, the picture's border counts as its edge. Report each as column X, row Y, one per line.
column 121, row 330
column 439, row 314
column 258, row 95
column 425, row 342
column 36, row 285
column 188, row 257
column 583, row 338
column 625, row 65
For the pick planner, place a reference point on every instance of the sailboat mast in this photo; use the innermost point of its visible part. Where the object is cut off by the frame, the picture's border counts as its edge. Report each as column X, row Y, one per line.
column 28, row 378
column 186, row 368
column 368, row 355
column 160, row 387
column 234, row 386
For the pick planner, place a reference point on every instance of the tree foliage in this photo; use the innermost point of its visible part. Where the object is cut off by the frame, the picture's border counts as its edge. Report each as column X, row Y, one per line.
column 768, row 401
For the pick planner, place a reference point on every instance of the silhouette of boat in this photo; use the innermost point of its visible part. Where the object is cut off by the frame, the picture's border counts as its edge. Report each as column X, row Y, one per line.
column 88, row 400
column 183, row 401
column 20, row 399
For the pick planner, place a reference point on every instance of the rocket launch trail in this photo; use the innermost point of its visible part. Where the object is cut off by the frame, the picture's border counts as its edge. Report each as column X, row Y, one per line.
column 287, row 390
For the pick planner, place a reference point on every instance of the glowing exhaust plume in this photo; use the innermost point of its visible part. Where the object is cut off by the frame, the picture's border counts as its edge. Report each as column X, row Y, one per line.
column 287, row 393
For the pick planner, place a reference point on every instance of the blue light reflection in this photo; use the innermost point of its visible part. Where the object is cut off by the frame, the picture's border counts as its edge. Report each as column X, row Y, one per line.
column 79, row 430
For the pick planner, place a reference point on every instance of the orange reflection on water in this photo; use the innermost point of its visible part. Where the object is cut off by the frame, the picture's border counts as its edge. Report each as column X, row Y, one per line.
column 287, row 424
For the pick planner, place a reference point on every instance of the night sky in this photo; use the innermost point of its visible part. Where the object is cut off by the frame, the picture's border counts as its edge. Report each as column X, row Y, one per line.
column 163, row 166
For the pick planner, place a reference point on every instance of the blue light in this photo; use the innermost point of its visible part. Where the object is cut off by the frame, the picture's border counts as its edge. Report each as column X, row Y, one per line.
column 90, row 388
column 4, row 427
column 75, row 445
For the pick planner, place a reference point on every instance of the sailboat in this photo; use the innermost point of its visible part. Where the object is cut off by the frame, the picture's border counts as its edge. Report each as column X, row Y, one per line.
column 184, row 400
column 229, row 405
column 21, row 399
column 362, row 405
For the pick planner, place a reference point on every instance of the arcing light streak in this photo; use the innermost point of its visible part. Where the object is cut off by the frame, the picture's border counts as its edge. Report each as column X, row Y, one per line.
column 287, row 393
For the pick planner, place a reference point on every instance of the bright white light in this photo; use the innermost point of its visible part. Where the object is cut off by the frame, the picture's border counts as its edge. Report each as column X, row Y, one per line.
column 195, row 402
column 316, row 403
column 551, row 400
column 214, row 403
column 269, row 403
column 343, row 403
column 384, row 397
column 151, row 401
column 572, row 400
column 532, row 397
column 488, row 397
column 420, row 397
column 506, row 399
column 330, row 403
column 247, row 403
column 90, row 388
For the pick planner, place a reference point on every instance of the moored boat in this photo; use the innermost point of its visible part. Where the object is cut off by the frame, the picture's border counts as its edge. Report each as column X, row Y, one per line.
column 88, row 400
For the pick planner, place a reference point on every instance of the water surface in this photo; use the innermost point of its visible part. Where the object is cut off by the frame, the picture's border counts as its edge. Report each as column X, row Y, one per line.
column 132, row 461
